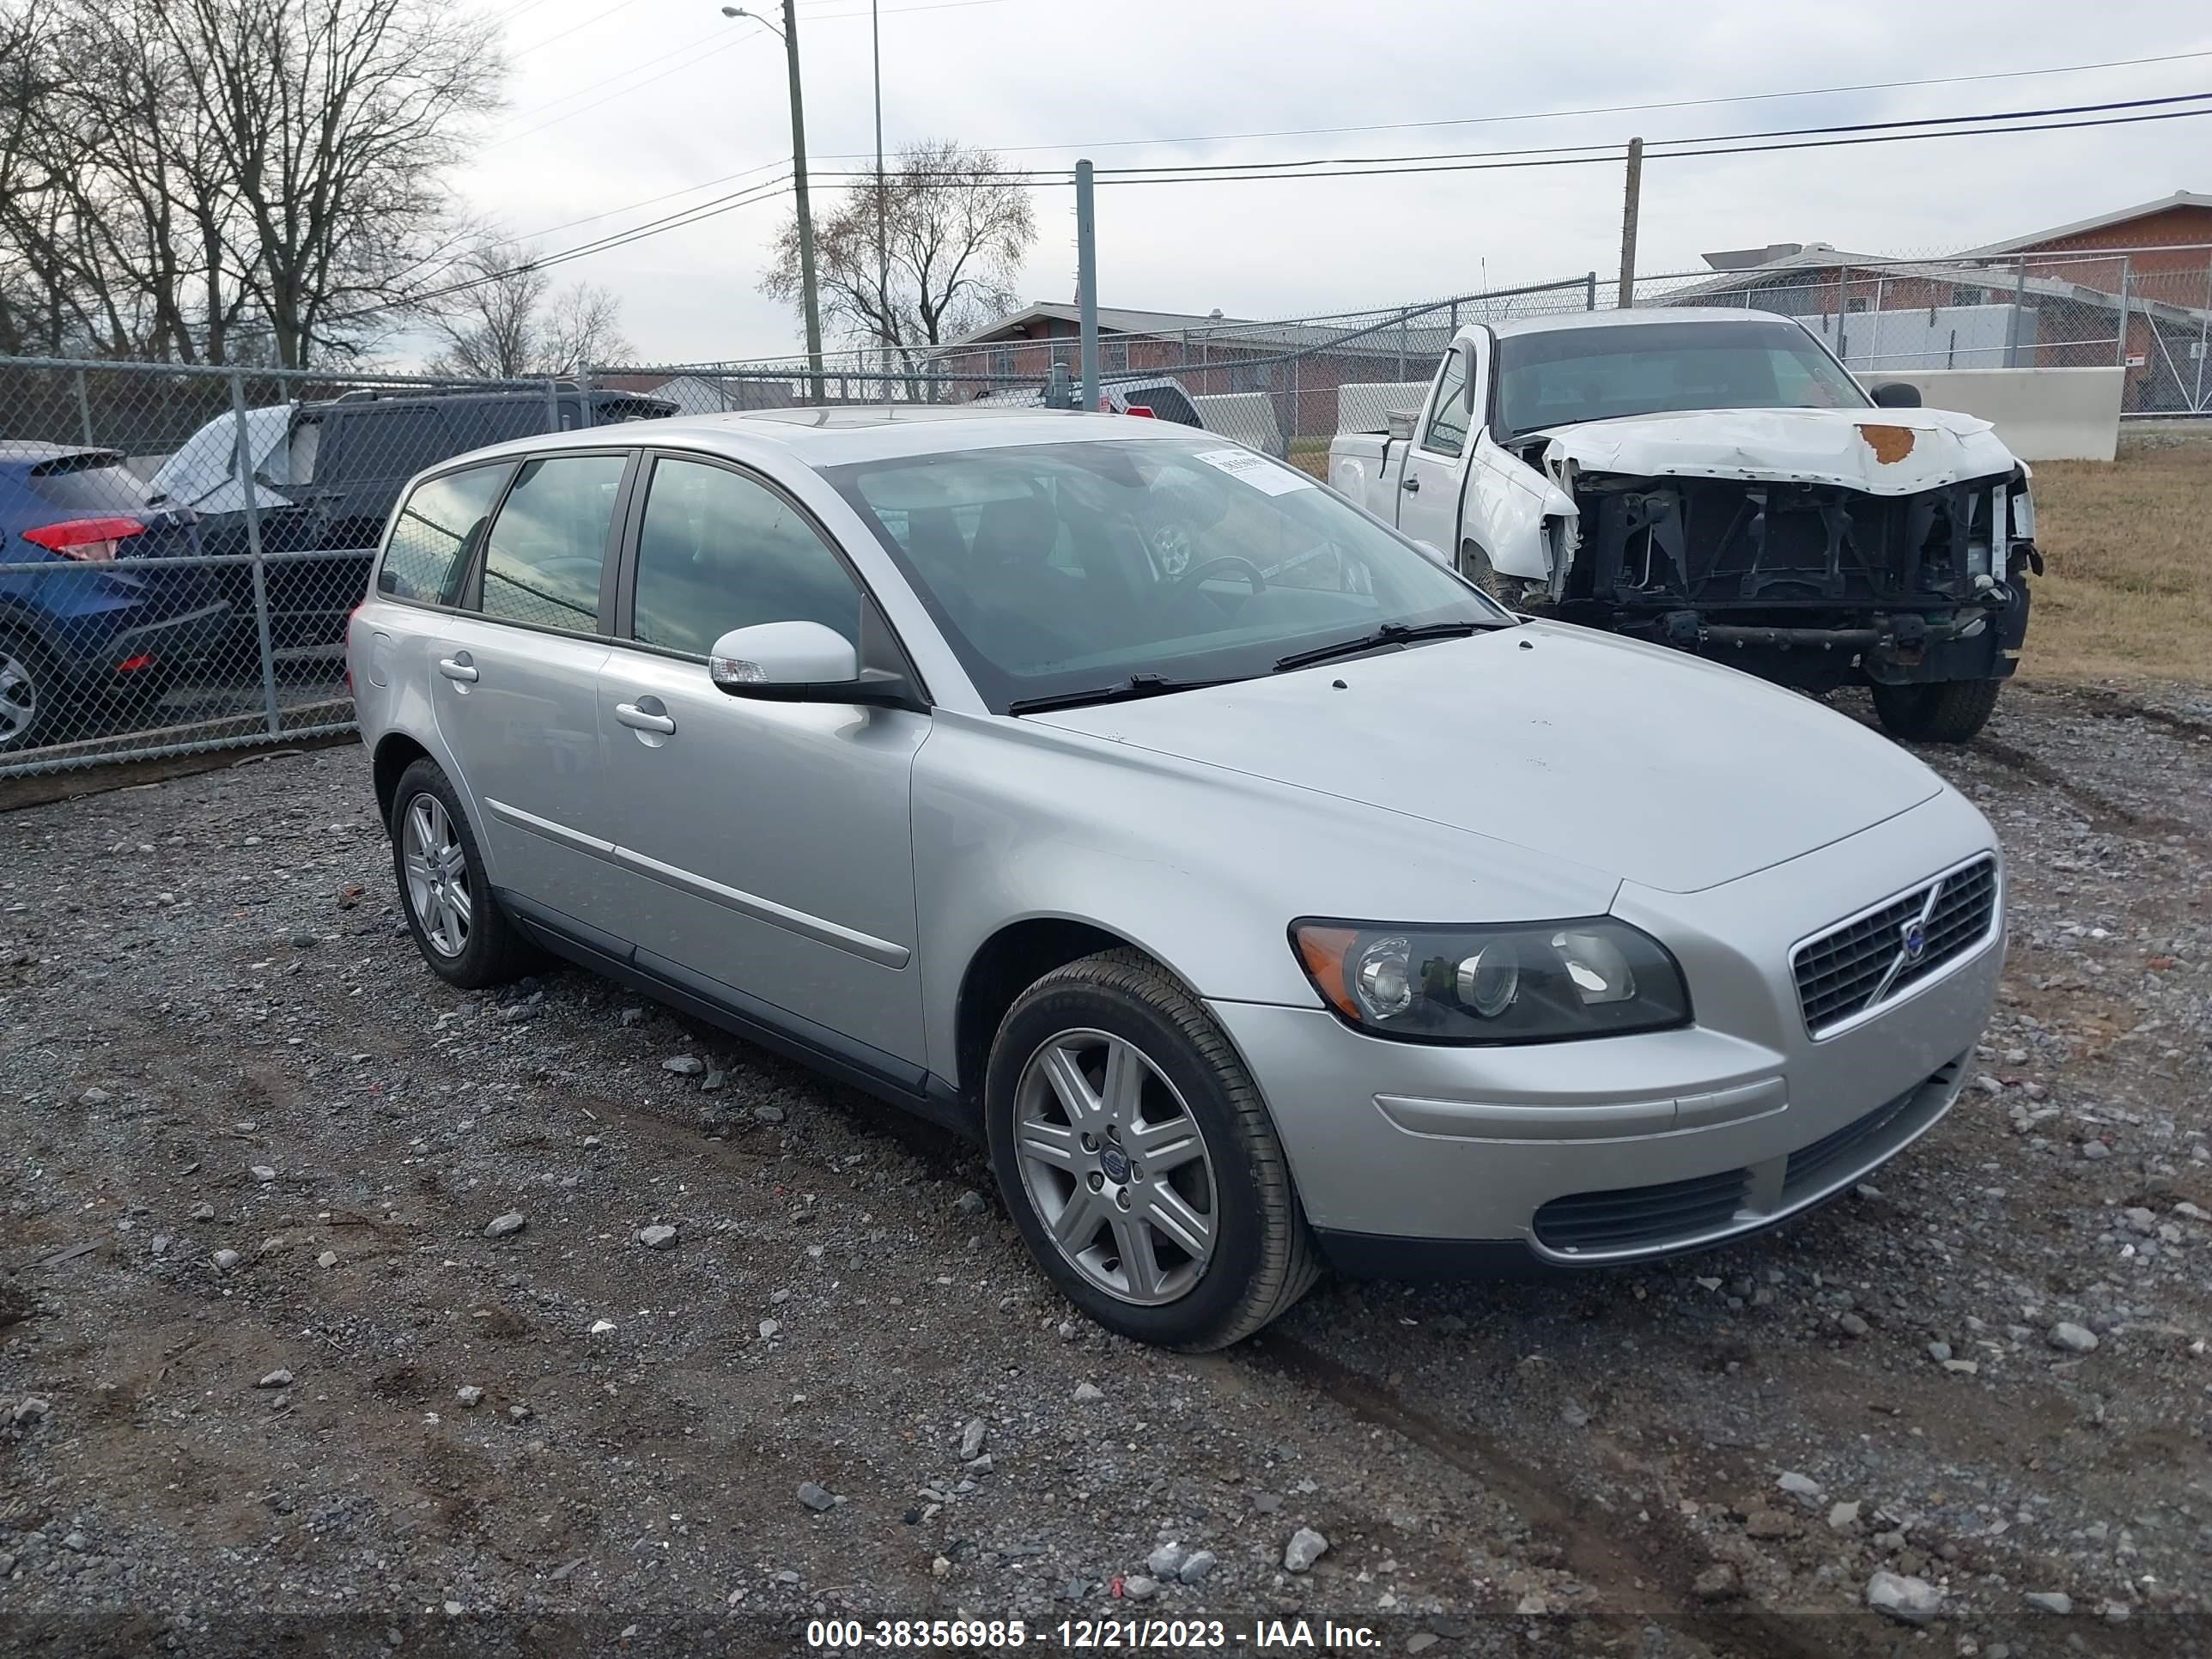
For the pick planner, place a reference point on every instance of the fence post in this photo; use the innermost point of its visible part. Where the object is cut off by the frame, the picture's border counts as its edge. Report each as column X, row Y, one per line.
column 2012, row 326
column 1086, row 284
column 1589, row 292
column 245, row 449
column 83, row 408
column 2120, row 347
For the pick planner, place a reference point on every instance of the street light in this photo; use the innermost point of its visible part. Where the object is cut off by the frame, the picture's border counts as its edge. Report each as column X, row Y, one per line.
column 789, row 36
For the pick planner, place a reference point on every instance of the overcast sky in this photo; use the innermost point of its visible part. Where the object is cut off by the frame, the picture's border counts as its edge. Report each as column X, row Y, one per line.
column 611, row 104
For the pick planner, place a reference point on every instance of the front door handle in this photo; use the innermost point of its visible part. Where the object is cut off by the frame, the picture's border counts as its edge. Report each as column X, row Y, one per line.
column 458, row 668
column 643, row 720
column 1412, row 486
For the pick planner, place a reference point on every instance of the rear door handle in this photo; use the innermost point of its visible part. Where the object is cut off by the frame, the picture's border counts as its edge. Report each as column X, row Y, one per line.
column 458, row 668
column 643, row 720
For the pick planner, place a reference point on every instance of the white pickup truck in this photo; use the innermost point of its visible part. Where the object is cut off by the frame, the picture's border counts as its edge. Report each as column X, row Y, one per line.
column 1716, row 481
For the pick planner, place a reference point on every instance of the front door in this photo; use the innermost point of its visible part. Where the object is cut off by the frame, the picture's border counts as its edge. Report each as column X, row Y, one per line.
column 766, row 845
column 1428, row 487
column 516, row 684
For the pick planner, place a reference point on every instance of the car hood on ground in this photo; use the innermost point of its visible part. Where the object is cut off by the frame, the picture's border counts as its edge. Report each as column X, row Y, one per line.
column 1650, row 766
column 1883, row 452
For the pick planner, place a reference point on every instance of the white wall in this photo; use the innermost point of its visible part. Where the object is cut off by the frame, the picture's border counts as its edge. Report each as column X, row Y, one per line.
column 2042, row 414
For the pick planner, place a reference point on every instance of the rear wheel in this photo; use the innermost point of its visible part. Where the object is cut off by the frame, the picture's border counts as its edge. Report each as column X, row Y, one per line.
column 1951, row 711
column 1137, row 1160
column 456, row 924
column 30, row 693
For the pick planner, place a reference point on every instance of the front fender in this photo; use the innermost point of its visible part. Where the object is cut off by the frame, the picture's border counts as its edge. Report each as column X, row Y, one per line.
column 1506, row 506
column 1201, row 867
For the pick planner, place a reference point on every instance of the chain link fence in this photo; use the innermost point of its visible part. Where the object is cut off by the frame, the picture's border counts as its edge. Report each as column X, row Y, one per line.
column 181, row 548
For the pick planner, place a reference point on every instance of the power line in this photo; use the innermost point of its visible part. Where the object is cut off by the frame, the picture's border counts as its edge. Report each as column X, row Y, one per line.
column 1615, row 147
column 652, row 201
column 736, row 39
column 1604, row 109
column 1580, row 160
column 597, row 17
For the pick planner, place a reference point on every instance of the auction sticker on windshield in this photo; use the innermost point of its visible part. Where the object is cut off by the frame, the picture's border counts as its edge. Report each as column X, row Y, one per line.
column 1256, row 470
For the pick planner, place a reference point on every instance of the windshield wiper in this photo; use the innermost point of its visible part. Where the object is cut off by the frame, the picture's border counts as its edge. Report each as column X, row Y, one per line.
column 1391, row 633
column 1128, row 690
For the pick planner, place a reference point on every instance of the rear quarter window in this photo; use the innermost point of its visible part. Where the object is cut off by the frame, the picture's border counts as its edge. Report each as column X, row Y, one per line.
column 435, row 535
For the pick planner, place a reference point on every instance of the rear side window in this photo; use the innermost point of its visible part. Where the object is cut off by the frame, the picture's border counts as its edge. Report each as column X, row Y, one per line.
column 94, row 481
column 542, row 559
column 435, row 534
column 718, row 551
column 398, row 442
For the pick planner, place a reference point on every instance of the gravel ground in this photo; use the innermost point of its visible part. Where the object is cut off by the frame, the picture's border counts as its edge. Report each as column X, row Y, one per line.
column 281, row 1369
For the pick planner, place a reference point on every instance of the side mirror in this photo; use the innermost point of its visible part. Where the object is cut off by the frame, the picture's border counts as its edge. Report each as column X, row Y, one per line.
column 802, row 662
column 1896, row 394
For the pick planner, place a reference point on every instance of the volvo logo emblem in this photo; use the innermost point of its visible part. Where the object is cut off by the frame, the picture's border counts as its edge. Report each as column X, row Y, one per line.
column 1114, row 1164
column 1914, row 939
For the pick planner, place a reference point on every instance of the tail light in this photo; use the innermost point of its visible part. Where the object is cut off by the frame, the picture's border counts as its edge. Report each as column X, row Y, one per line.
column 92, row 540
column 351, row 615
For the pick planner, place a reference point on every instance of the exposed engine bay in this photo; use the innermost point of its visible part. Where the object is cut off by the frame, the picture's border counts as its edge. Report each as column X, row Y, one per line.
column 1813, row 584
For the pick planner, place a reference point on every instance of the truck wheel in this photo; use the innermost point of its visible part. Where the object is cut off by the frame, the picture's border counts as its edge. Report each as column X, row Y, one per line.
column 1137, row 1160
column 1511, row 591
column 1951, row 712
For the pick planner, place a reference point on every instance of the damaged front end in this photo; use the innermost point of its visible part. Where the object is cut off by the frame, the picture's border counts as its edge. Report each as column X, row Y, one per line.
column 1812, row 584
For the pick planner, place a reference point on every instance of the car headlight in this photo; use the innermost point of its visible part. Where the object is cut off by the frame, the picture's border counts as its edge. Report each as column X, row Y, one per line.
column 1522, row 983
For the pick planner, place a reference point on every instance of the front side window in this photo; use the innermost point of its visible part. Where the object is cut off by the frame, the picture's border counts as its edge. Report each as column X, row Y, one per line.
column 1057, row 569
column 1446, row 432
column 435, row 535
column 1561, row 376
column 549, row 545
column 719, row 550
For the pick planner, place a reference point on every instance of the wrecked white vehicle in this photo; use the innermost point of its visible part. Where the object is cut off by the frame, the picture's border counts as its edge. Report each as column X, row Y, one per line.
column 1716, row 480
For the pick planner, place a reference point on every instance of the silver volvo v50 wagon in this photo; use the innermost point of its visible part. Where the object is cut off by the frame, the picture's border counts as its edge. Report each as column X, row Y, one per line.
column 1260, row 892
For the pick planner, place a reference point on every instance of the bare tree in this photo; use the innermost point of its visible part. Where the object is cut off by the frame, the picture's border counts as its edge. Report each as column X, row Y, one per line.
column 955, row 232
column 501, row 325
column 335, row 121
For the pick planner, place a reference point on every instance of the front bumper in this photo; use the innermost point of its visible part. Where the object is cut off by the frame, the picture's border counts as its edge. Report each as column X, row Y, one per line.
column 1416, row 1160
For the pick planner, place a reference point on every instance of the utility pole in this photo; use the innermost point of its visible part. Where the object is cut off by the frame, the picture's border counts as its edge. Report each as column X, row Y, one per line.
column 810, row 300
column 1630, row 202
column 809, row 297
column 1086, row 284
column 882, row 234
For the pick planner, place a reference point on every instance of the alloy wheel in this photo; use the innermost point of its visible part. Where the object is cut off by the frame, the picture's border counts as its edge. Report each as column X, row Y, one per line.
column 437, row 876
column 1115, row 1166
column 19, row 697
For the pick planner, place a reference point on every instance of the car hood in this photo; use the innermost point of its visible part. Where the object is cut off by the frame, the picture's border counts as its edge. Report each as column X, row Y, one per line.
column 1883, row 452
column 203, row 475
column 1646, row 764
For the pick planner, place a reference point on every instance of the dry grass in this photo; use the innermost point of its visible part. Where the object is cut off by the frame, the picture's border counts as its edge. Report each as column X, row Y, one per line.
column 2128, row 594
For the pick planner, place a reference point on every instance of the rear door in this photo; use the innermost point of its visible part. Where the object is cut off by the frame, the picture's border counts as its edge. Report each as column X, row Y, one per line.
column 515, row 683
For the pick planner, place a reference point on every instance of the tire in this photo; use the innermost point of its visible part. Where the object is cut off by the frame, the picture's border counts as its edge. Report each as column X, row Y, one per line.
column 30, row 693
column 1258, row 1256
column 1950, row 712
column 1511, row 591
column 427, row 820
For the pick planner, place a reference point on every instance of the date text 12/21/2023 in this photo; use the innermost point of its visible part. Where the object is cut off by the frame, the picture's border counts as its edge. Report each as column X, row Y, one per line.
column 1109, row 1635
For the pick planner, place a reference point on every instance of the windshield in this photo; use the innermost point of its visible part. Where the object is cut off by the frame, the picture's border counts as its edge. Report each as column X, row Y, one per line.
column 1558, row 376
column 1055, row 569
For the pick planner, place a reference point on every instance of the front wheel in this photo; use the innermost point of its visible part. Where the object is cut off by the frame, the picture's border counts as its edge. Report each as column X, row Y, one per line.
column 1138, row 1159
column 1951, row 711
